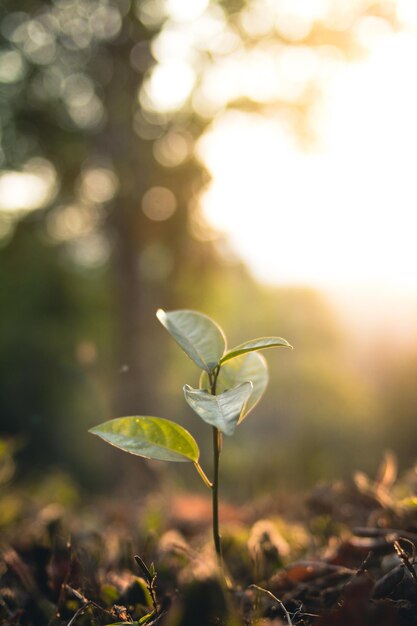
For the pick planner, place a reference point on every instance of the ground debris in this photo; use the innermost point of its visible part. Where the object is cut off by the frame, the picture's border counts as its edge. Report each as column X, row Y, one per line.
column 354, row 563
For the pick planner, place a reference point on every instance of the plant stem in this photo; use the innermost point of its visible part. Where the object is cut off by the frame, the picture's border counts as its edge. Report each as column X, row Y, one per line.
column 215, row 494
column 217, row 447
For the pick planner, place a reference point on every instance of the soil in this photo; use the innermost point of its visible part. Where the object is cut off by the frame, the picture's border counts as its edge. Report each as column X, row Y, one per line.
column 347, row 557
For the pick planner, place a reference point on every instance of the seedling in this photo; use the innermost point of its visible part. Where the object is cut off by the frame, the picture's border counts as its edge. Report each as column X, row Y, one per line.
column 231, row 384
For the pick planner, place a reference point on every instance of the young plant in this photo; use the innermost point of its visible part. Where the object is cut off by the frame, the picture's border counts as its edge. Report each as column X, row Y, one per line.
column 231, row 384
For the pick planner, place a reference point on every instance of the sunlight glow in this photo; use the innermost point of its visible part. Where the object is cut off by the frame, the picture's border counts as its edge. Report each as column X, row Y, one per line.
column 159, row 204
column 168, row 86
column 344, row 213
column 29, row 189
column 407, row 13
column 184, row 9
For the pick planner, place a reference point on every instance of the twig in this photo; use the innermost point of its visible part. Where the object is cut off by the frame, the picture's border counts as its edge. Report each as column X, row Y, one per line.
column 79, row 612
column 299, row 612
column 405, row 559
column 85, row 604
column 64, row 583
column 363, row 566
column 271, row 595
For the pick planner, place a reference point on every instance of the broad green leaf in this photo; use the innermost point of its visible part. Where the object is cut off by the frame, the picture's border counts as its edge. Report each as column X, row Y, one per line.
column 151, row 437
column 222, row 411
column 198, row 335
column 251, row 366
column 255, row 344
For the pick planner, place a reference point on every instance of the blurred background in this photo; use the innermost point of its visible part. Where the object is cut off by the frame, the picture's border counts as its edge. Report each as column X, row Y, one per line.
column 252, row 159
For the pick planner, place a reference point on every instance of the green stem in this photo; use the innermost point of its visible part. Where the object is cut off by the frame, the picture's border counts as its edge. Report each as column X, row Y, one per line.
column 217, row 447
column 215, row 494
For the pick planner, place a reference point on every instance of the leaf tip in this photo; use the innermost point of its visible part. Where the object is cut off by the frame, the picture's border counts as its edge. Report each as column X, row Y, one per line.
column 160, row 314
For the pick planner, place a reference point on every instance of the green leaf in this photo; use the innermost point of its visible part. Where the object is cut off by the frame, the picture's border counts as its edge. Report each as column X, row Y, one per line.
column 251, row 366
column 198, row 335
column 222, row 411
column 255, row 344
column 150, row 437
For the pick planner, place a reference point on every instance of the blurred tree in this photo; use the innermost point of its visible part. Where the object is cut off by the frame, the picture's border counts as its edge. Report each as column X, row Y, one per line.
column 71, row 121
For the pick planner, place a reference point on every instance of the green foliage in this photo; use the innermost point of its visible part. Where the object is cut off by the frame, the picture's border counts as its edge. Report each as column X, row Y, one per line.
column 255, row 344
column 231, row 385
column 251, row 366
column 222, row 411
column 150, row 437
column 200, row 338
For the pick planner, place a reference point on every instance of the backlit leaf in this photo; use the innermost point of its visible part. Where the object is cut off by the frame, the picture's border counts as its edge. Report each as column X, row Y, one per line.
column 197, row 334
column 150, row 437
column 250, row 366
column 222, row 411
column 255, row 344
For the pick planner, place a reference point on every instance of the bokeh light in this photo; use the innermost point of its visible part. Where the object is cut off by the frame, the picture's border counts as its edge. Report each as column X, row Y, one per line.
column 29, row 189
column 183, row 10
column 159, row 203
column 98, row 184
column 168, row 86
column 73, row 221
column 12, row 67
column 172, row 149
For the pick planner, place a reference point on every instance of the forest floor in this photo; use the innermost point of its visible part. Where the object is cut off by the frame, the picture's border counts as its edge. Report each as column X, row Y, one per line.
column 346, row 557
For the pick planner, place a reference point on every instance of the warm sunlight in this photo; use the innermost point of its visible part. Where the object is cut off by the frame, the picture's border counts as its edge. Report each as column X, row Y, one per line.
column 333, row 208
column 27, row 190
column 343, row 212
column 207, row 261
column 335, row 204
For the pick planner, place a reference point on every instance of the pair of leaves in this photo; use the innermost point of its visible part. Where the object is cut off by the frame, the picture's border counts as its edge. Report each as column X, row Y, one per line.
column 222, row 411
column 245, row 367
column 204, row 341
column 240, row 385
column 241, row 381
column 243, row 374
